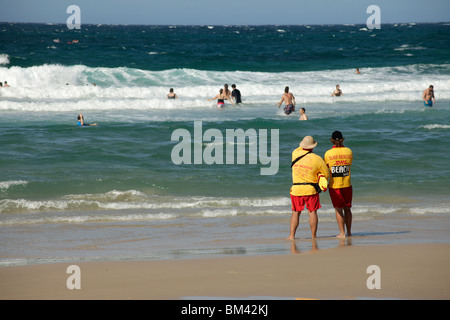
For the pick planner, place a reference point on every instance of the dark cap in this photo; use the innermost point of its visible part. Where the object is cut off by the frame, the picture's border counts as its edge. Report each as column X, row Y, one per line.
column 337, row 135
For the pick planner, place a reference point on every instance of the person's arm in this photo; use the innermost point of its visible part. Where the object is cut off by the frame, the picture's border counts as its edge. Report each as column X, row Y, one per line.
column 229, row 100
column 213, row 98
column 279, row 103
column 424, row 96
column 324, row 169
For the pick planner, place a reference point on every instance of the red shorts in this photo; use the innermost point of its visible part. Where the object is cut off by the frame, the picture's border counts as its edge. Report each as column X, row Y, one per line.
column 342, row 197
column 312, row 202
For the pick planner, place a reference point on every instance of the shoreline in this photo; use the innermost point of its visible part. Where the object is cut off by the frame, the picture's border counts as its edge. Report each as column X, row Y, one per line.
column 406, row 271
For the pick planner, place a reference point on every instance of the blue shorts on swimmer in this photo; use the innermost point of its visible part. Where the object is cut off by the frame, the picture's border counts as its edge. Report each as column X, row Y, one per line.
column 428, row 103
column 289, row 109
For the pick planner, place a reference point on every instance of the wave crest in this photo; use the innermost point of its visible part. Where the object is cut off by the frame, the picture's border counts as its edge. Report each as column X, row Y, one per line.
column 70, row 88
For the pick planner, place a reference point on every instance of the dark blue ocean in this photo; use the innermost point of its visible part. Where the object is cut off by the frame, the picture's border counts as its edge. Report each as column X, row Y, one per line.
column 114, row 191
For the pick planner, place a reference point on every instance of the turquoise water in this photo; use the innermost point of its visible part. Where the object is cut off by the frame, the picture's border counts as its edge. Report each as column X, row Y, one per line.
column 114, row 191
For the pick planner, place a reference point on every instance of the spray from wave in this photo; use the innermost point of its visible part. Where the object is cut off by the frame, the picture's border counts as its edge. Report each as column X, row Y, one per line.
column 71, row 88
column 4, row 59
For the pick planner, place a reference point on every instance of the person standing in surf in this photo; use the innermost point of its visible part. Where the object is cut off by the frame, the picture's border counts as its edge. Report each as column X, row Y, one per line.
column 339, row 160
column 236, row 94
column 171, row 94
column 227, row 91
column 428, row 96
column 221, row 97
column 307, row 168
column 289, row 101
column 337, row 92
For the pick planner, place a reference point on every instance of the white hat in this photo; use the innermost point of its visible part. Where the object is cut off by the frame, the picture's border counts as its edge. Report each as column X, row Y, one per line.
column 308, row 142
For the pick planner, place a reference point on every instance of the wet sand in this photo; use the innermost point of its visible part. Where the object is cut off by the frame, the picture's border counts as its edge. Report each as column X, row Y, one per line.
column 410, row 271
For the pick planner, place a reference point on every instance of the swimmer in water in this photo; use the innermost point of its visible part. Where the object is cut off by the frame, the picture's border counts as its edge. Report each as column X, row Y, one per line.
column 289, row 101
column 303, row 115
column 428, row 96
column 80, row 122
column 221, row 97
column 236, row 94
column 337, row 92
column 226, row 91
column 172, row 95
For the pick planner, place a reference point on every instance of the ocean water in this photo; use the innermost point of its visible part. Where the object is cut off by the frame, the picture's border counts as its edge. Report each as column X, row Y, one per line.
column 113, row 191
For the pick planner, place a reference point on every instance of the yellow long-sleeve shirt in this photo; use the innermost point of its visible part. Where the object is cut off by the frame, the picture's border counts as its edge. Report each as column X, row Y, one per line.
column 307, row 169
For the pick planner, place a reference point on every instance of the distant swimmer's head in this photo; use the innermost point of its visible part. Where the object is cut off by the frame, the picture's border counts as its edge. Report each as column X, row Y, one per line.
column 171, row 90
column 308, row 142
column 80, row 116
column 221, row 91
column 430, row 87
column 286, row 89
column 233, row 86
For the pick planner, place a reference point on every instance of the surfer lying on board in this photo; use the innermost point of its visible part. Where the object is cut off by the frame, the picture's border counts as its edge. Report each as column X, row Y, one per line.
column 80, row 122
column 221, row 99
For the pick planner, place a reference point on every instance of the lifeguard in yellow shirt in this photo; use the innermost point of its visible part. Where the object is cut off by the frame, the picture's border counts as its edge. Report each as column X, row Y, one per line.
column 308, row 169
column 339, row 161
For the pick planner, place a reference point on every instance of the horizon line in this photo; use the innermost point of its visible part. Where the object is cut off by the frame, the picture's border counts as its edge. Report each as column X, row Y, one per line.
column 222, row 25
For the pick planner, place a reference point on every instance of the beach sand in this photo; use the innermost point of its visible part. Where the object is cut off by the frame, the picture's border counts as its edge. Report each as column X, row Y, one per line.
column 410, row 271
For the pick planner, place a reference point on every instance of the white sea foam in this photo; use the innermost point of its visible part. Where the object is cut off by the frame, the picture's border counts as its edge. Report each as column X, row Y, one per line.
column 4, row 59
column 219, row 213
column 132, row 200
column 407, row 47
column 133, row 205
column 57, row 88
column 66, row 218
column 4, row 185
column 435, row 126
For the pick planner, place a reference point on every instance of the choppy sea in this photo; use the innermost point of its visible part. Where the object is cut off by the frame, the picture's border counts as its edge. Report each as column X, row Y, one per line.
column 113, row 191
